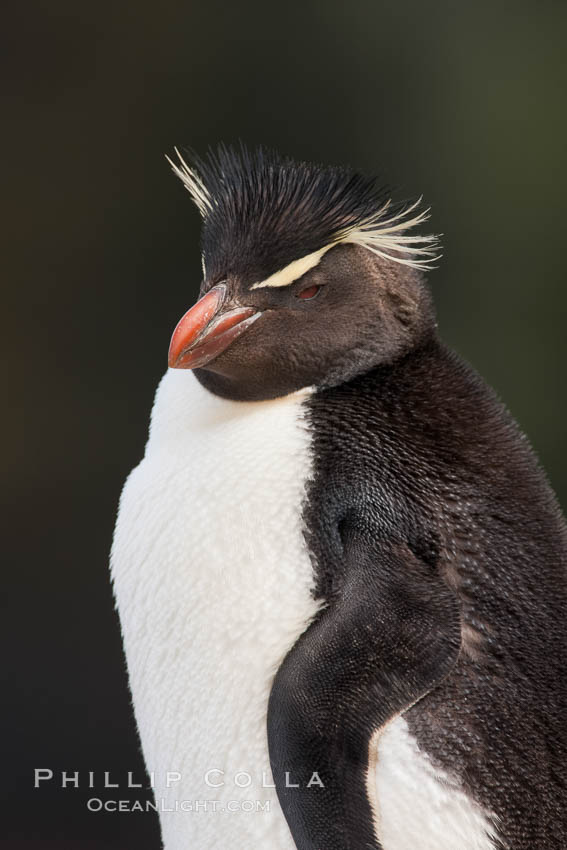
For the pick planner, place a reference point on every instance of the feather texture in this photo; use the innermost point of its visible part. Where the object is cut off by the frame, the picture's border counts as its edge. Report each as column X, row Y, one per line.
column 261, row 212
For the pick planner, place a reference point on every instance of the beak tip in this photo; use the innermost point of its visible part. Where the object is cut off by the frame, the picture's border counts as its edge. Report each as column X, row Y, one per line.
column 173, row 355
column 175, row 358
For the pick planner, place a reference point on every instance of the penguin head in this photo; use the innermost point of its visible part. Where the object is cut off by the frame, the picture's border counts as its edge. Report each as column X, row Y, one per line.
column 309, row 276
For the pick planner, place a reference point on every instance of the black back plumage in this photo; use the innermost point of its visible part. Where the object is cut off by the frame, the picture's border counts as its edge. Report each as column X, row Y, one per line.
column 424, row 487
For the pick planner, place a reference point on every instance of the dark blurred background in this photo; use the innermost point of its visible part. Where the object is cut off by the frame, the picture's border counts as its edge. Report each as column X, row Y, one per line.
column 461, row 102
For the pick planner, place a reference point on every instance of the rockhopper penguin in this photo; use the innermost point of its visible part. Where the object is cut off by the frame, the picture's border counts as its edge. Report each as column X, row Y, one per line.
column 340, row 571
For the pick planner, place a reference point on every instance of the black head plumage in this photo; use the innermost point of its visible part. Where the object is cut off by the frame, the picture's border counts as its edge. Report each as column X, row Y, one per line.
column 261, row 211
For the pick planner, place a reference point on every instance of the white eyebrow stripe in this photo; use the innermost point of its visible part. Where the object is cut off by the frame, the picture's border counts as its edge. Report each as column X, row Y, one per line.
column 295, row 270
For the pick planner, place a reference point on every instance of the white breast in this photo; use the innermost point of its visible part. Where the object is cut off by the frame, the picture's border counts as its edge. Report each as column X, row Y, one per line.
column 419, row 806
column 213, row 585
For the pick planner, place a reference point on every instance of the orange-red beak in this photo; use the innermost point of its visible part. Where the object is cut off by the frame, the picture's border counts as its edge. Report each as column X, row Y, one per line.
column 206, row 330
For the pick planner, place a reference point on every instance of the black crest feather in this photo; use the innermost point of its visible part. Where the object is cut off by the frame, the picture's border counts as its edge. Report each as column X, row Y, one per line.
column 261, row 211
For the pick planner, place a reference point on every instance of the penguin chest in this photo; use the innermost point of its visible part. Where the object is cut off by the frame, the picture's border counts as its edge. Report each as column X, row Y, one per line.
column 214, row 585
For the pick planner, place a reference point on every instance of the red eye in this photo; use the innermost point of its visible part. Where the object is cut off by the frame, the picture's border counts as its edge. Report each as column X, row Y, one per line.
column 310, row 292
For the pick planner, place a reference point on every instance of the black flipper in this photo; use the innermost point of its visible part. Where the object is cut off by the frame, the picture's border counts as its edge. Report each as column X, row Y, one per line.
column 391, row 634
